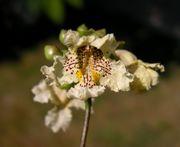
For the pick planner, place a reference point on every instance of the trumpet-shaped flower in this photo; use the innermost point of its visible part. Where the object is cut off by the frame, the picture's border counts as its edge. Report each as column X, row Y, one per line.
column 60, row 116
column 85, row 69
column 145, row 74
column 88, row 66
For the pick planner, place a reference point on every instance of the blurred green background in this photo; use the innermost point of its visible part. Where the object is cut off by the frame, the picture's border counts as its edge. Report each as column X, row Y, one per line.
column 120, row 120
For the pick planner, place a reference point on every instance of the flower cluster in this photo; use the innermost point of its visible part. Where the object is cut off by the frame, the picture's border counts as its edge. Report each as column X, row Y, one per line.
column 90, row 62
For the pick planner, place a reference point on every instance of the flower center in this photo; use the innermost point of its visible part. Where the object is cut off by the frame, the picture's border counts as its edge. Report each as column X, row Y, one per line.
column 89, row 65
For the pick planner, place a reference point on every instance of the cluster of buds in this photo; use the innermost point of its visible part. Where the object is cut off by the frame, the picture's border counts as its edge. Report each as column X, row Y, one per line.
column 90, row 62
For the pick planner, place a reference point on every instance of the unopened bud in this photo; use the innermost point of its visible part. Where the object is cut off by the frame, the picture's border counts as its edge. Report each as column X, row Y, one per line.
column 126, row 57
column 50, row 51
column 61, row 36
column 82, row 30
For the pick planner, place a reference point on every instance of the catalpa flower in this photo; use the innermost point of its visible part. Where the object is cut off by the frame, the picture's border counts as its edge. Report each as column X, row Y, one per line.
column 90, row 62
column 60, row 116
column 88, row 67
column 145, row 74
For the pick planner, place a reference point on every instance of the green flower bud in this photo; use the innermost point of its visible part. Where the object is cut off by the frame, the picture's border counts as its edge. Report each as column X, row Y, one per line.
column 82, row 30
column 61, row 36
column 50, row 51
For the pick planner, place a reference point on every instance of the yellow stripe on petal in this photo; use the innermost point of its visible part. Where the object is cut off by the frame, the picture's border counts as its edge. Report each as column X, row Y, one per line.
column 95, row 76
column 79, row 75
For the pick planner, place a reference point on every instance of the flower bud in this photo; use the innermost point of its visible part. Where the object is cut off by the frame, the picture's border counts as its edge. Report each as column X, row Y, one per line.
column 82, row 30
column 61, row 36
column 50, row 51
column 126, row 57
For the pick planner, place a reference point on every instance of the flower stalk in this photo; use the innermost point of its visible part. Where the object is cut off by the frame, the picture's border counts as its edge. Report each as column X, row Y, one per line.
column 86, row 122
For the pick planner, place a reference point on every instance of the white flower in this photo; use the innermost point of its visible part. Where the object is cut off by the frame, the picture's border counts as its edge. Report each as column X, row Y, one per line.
column 60, row 119
column 145, row 74
column 60, row 116
column 91, row 70
column 85, row 71
column 88, row 67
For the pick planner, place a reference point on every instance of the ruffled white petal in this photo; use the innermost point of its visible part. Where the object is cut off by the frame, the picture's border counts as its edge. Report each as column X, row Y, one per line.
column 119, row 79
column 53, row 73
column 48, row 72
column 107, row 44
column 85, row 40
column 76, row 103
column 154, row 66
column 41, row 92
column 71, row 38
column 69, row 69
column 154, row 77
column 58, row 119
column 143, row 78
column 45, row 93
column 145, row 75
column 68, row 78
column 85, row 92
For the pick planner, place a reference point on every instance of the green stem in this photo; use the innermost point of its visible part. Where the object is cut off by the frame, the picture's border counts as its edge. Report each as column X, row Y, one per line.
column 86, row 122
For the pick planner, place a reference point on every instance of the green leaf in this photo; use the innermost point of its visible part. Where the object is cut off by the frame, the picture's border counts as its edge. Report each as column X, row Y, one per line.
column 34, row 6
column 54, row 9
column 76, row 3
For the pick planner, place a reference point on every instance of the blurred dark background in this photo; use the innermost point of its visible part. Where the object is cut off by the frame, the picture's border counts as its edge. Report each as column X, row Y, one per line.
column 151, row 29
